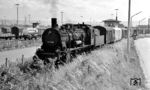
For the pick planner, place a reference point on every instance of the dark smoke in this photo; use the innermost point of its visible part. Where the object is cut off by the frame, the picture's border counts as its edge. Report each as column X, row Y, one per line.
column 54, row 8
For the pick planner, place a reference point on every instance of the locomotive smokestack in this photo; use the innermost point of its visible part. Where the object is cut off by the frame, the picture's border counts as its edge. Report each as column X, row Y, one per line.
column 53, row 22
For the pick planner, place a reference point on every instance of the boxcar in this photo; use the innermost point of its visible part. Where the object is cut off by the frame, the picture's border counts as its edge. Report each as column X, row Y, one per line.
column 102, row 32
column 124, row 33
column 99, row 39
column 147, row 31
column 118, row 33
column 108, row 33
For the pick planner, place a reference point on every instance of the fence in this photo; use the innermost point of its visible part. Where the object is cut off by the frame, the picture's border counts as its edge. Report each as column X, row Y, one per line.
column 17, row 60
column 13, row 44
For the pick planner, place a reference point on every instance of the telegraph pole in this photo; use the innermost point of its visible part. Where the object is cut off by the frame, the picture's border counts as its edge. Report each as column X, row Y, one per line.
column 29, row 18
column 112, row 16
column 17, row 5
column 148, row 24
column 4, row 20
column 140, row 22
column 62, row 17
column 81, row 19
column 134, row 16
column 128, row 40
column 116, row 14
column 90, row 20
column 25, row 20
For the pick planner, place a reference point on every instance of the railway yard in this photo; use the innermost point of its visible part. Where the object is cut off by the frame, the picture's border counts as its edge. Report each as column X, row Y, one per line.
column 83, row 56
column 97, row 55
column 74, row 45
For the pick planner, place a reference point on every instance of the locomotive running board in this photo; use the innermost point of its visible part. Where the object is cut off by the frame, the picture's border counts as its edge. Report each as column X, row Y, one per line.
column 77, row 48
column 84, row 47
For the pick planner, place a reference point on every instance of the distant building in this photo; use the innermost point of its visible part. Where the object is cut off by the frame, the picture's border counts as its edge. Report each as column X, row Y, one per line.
column 143, row 26
column 112, row 23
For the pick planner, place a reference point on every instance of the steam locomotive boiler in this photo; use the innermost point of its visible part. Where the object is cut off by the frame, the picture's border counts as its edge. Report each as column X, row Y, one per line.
column 51, row 42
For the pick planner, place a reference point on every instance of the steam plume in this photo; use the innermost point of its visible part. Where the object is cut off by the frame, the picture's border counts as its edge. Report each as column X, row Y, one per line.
column 54, row 8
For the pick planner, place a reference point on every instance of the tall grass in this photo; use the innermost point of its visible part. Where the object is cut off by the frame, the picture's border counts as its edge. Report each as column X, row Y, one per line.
column 102, row 69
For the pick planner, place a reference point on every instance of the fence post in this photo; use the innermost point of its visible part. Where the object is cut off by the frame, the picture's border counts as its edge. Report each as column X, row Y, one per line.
column 6, row 62
column 22, row 59
column 17, row 61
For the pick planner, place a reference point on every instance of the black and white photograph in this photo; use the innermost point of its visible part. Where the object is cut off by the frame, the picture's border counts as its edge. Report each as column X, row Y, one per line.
column 74, row 45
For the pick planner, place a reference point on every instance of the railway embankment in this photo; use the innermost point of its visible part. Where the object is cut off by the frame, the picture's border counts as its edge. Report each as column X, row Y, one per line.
column 106, row 68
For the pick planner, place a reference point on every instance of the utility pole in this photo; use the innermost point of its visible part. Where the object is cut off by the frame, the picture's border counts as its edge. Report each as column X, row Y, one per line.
column 90, row 20
column 140, row 22
column 17, row 5
column 148, row 24
column 116, row 14
column 25, row 20
column 81, row 19
column 112, row 16
column 62, row 17
column 134, row 16
column 29, row 18
column 128, row 40
column 4, row 20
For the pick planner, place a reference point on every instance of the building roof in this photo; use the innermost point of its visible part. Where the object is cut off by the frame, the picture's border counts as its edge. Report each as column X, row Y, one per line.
column 110, row 20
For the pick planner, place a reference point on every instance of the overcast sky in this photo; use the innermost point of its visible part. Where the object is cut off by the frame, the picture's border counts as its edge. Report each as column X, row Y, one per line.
column 74, row 10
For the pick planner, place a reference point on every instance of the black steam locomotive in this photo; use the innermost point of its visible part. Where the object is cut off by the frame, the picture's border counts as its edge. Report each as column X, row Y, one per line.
column 67, row 41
